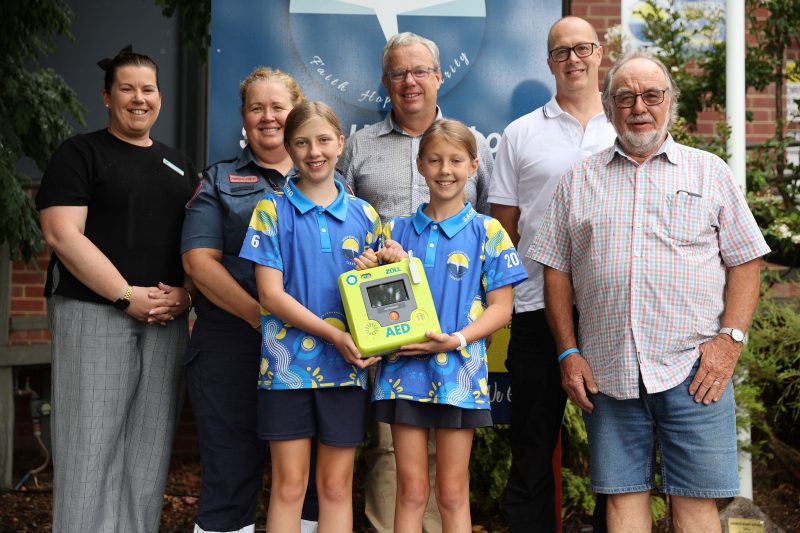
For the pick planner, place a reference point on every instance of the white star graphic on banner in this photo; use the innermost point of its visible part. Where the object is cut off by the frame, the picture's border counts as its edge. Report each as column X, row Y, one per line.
column 387, row 11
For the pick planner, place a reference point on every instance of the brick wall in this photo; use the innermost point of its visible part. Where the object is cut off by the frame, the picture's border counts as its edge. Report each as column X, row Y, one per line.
column 27, row 297
column 603, row 14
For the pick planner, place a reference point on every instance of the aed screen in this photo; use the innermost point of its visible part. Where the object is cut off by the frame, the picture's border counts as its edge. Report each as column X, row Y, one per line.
column 387, row 293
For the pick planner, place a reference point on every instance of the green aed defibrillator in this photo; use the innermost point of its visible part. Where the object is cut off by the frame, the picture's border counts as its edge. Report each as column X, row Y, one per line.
column 388, row 306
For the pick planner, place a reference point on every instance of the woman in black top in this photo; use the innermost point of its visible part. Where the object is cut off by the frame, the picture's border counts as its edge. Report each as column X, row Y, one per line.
column 111, row 208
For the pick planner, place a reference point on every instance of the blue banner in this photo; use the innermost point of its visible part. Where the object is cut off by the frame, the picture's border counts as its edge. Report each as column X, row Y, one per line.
column 493, row 57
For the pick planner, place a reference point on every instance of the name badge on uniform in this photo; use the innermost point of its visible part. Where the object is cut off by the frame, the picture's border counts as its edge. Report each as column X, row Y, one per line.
column 232, row 178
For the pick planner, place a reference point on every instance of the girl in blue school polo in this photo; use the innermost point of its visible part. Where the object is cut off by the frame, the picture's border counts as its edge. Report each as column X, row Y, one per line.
column 471, row 266
column 312, row 382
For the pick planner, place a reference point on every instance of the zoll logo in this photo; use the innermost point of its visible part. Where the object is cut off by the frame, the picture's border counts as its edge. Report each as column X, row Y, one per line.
column 340, row 41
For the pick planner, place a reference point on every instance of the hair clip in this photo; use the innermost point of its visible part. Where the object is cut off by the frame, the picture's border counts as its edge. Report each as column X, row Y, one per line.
column 106, row 61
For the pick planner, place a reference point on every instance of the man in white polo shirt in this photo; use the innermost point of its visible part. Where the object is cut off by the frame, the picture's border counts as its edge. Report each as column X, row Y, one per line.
column 535, row 151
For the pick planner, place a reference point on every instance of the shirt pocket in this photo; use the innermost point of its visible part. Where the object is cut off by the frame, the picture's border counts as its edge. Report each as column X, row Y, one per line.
column 238, row 202
column 688, row 216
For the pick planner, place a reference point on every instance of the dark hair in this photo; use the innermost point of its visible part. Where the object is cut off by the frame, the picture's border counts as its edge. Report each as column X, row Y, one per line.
column 302, row 113
column 124, row 58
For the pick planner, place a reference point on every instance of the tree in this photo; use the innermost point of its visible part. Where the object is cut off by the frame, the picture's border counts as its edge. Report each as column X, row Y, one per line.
column 195, row 16
column 774, row 182
column 687, row 39
column 33, row 106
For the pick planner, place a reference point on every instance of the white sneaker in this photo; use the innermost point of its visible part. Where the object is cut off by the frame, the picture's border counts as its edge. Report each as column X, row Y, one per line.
column 246, row 529
column 307, row 526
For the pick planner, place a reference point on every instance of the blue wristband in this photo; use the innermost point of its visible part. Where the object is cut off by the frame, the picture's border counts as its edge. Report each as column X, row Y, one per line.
column 565, row 353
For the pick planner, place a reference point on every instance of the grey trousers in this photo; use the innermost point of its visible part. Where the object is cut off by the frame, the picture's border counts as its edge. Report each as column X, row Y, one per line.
column 117, row 386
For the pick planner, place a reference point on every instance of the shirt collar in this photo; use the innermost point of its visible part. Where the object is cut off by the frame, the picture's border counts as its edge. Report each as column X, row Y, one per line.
column 245, row 158
column 668, row 148
column 389, row 125
column 337, row 208
column 551, row 109
column 451, row 226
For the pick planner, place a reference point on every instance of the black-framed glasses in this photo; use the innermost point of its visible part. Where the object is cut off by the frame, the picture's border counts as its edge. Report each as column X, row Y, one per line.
column 419, row 73
column 649, row 97
column 561, row 54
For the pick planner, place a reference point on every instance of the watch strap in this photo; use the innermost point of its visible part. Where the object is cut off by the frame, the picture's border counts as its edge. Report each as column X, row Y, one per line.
column 733, row 333
column 461, row 340
column 124, row 301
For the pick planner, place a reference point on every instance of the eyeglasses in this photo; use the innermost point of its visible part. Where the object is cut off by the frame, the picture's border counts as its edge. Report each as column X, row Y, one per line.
column 650, row 97
column 419, row 73
column 559, row 55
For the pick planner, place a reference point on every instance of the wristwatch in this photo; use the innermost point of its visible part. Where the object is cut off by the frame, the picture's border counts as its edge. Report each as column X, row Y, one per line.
column 123, row 302
column 736, row 334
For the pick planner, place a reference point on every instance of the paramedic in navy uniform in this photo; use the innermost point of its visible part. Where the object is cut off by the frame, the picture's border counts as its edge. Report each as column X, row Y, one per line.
column 224, row 350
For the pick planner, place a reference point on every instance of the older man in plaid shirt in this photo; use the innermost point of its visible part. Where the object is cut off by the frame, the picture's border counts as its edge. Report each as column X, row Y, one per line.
column 656, row 245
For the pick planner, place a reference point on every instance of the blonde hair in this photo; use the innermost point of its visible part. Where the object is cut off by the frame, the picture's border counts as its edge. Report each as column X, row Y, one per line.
column 452, row 131
column 296, row 94
column 302, row 113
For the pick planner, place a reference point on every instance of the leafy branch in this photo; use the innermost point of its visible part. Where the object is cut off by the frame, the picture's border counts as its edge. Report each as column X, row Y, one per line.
column 33, row 106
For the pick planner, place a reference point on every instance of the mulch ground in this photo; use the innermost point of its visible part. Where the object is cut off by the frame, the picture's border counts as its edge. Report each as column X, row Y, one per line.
column 29, row 510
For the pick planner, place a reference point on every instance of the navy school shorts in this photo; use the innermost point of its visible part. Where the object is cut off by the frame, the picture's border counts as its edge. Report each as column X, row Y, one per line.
column 335, row 416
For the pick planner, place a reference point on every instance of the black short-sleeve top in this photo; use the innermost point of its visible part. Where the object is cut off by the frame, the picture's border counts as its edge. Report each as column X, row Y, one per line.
column 135, row 197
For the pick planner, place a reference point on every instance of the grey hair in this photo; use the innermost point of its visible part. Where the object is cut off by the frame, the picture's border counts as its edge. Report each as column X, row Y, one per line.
column 407, row 39
column 608, row 98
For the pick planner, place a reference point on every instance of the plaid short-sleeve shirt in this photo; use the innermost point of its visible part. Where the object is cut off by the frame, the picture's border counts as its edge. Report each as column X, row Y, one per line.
column 648, row 247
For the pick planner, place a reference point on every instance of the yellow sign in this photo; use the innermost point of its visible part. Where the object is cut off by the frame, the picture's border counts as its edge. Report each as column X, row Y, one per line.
column 745, row 525
column 498, row 348
column 792, row 72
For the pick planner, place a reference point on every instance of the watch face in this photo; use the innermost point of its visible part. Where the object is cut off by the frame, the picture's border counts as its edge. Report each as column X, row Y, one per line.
column 122, row 304
column 737, row 335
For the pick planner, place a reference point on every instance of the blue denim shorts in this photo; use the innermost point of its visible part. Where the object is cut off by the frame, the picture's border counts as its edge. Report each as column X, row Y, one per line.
column 697, row 443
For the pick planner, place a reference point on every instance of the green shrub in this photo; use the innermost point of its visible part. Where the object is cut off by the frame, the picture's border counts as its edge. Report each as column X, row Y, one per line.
column 769, row 388
column 489, row 466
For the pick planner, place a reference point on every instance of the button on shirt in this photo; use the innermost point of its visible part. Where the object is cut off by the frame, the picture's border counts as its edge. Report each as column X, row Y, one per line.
column 465, row 257
column 312, row 245
column 379, row 164
column 535, row 151
column 647, row 246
